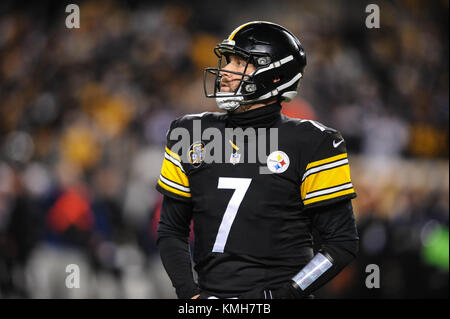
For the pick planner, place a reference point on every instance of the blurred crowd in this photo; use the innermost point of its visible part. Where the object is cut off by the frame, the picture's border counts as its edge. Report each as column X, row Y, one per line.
column 84, row 113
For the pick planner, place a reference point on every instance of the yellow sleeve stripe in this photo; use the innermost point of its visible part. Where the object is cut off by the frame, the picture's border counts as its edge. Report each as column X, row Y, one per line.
column 174, row 155
column 174, row 173
column 174, row 161
column 173, row 190
column 325, row 179
column 174, row 185
column 328, row 196
column 329, row 190
column 326, row 160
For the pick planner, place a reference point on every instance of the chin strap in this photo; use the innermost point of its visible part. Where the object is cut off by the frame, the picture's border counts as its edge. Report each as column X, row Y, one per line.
column 228, row 103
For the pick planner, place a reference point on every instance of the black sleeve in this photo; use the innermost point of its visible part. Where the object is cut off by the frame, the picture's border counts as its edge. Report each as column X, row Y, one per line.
column 336, row 227
column 173, row 234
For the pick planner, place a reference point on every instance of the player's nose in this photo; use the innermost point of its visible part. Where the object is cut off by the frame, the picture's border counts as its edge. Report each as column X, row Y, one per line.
column 227, row 67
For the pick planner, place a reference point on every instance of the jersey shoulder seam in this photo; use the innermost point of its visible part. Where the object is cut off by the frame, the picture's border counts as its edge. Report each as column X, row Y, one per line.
column 205, row 116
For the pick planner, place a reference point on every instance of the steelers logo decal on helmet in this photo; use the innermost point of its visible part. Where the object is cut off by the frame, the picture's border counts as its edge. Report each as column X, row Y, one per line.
column 278, row 162
column 196, row 154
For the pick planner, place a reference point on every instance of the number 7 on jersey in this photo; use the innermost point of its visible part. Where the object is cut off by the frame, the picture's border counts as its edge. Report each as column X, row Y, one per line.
column 240, row 185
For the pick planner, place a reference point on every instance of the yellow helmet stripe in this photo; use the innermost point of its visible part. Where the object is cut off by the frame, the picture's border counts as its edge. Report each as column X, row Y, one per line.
column 239, row 28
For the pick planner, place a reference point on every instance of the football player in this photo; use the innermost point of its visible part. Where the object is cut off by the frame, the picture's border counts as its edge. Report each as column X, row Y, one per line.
column 254, row 219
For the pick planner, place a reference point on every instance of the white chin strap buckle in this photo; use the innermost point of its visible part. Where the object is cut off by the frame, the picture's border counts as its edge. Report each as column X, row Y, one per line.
column 229, row 103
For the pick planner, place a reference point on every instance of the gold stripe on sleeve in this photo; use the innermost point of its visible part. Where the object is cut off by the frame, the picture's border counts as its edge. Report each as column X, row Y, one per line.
column 328, row 196
column 326, row 160
column 325, row 179
column 173, row 190
column 173, row 173
column 174, row 155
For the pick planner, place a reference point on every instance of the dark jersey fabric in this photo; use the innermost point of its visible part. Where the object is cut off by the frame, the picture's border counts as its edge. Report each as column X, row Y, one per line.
column 270, row 237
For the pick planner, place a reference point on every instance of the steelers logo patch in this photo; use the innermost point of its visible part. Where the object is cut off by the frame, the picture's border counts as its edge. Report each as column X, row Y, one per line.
column 278, row 162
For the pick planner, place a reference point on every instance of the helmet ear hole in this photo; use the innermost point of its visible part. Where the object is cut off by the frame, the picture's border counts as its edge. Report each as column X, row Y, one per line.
column 262, row 60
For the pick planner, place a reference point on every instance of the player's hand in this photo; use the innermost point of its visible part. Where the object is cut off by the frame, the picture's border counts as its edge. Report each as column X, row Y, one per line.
column 286, row 291
column 203, row 295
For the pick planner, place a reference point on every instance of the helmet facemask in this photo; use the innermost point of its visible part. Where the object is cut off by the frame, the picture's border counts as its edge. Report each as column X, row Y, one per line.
column 230, row 101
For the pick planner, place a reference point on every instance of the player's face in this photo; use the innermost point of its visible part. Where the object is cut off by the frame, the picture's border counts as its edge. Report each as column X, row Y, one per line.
column 229, row 81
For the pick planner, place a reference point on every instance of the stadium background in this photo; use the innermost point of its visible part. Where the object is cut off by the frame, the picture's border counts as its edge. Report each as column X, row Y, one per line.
column 84, row 112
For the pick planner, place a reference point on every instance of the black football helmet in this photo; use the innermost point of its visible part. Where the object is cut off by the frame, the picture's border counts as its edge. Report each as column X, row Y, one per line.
column 275, row 52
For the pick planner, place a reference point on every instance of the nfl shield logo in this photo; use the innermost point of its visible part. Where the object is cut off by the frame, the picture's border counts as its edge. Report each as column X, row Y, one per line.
column 234, row 158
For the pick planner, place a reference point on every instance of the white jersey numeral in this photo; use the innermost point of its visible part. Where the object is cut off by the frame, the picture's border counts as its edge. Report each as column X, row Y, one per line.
column 240, row 185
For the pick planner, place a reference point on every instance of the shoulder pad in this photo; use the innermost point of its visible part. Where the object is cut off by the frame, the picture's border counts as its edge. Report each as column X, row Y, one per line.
column 208, row 116
column 318, row 126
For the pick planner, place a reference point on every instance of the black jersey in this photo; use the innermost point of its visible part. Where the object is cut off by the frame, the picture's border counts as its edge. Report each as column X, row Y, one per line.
column 249, row 205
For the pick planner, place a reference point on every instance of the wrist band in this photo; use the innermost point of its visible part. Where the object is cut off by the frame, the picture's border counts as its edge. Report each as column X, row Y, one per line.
column 313, row 270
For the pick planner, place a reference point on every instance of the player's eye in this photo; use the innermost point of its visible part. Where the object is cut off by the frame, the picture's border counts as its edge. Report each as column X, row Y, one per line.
column 241, row 62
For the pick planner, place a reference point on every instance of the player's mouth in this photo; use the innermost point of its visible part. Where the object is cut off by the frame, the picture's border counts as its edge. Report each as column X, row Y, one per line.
column 224, row 88
column 227, row 86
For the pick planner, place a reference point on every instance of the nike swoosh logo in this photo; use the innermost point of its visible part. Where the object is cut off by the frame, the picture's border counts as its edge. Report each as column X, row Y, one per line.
column 337, row 144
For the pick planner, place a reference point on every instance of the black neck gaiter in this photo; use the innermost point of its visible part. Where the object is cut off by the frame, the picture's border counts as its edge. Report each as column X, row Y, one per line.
column 265, row 116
